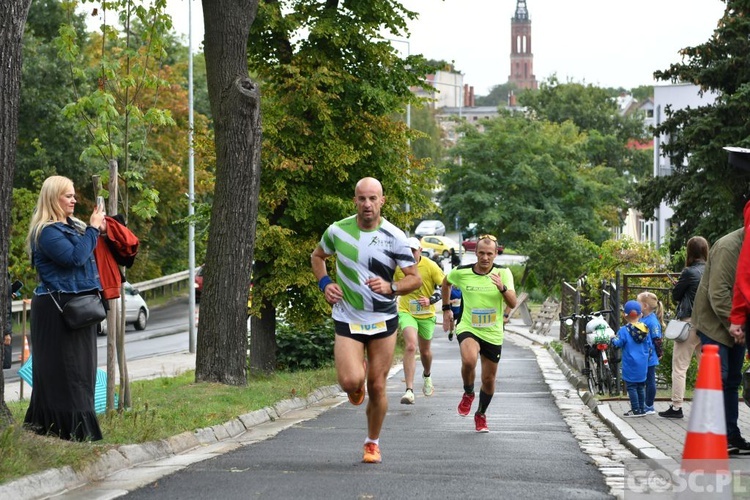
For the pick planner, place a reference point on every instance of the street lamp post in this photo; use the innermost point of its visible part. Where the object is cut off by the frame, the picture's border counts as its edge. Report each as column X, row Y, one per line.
column 192, row 336
column 407, row 208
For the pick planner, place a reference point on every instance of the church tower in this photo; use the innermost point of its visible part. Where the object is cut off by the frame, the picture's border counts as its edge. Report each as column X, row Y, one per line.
column 521, row 58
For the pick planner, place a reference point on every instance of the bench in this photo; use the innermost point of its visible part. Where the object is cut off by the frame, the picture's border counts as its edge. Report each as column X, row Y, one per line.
column 548, row 314
column 523, row 307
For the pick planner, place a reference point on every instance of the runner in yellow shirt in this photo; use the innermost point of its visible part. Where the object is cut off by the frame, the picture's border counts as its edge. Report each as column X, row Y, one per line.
column 416, row 318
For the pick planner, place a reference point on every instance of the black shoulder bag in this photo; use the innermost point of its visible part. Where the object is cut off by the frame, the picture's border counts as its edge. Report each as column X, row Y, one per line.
column 82, row 311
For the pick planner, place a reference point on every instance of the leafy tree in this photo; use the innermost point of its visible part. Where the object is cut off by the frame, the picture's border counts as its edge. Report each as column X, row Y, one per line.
column 642, row 92
column 707, row 194
column 521, row 174
column 47, row 141
column 331, row 87
column 573, row 255
column 594, row 111
column 498, row 95
column 429, row 145
column 13, row 15
column 118, row 115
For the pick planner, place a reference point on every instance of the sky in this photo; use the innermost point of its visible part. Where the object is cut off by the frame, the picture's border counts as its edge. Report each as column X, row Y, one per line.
column 599, row 42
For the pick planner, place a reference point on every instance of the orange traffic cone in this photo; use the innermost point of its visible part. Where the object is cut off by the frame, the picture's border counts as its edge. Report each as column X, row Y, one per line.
column 26, row 353
column 705, row 459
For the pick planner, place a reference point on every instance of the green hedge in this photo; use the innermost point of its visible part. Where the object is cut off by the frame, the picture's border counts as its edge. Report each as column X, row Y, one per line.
column 296, row 350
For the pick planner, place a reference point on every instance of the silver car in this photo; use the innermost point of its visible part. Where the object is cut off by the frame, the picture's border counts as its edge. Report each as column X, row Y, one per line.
column 136, row 310
column 430, row 228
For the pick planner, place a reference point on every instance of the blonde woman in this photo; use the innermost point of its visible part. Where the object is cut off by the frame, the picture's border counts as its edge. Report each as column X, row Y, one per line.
column 653, row 314
column 61, row 249
column 683, row 295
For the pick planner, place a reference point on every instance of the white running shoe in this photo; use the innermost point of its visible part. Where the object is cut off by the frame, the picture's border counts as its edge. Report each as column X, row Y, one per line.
column 427, row 387
column 408, row 397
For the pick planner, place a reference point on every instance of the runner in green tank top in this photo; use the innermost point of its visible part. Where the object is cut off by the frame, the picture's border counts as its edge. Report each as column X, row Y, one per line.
column 486, row 289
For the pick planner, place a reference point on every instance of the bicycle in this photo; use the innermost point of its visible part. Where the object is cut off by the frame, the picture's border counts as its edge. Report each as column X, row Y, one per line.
column 600, row 378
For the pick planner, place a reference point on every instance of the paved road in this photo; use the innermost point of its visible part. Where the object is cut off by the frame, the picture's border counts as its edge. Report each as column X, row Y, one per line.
column 428, row 450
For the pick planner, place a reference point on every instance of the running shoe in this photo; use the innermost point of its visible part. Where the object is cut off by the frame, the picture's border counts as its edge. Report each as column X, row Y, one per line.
column 480, row 421
column 650, row 411
column 634, row 413
column 357, row 397
column 464, row 407
column 372, row 454
column 427, row 387
column 738, row 446
column 408, row 397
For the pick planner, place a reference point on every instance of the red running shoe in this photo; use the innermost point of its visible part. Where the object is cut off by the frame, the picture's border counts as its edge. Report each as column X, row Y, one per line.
column 464, row 407
column 357, row 397
column 480, row 421
column 372, row 454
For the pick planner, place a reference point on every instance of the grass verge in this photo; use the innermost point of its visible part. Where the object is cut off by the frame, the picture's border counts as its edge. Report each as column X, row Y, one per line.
column 162, row 408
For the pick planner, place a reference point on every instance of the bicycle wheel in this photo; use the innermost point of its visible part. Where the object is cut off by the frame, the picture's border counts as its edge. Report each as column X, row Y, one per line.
column 606, row 380
column 594, row 377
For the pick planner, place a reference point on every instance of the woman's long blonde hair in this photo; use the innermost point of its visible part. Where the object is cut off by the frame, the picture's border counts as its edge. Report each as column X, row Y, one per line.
column 48, row 209
column 653, row 302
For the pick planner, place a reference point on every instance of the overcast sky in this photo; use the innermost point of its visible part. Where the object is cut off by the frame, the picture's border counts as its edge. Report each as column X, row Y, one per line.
column 601, row 42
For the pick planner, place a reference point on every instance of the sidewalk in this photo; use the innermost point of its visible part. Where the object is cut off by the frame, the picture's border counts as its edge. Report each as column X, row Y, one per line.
column 652, row 437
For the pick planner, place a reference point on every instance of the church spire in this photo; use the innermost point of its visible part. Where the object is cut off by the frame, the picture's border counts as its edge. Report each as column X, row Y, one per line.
column 521, row 57
column 522, row 12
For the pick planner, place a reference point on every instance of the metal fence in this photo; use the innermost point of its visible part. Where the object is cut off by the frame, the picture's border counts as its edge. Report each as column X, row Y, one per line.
column 149, row 289
column 584, row 297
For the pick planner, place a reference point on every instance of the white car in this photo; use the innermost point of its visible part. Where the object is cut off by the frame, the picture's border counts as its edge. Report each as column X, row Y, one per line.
column 430, row 228
column 136, row 310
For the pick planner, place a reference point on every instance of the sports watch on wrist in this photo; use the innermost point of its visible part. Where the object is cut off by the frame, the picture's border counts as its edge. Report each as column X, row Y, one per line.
column 394, row 287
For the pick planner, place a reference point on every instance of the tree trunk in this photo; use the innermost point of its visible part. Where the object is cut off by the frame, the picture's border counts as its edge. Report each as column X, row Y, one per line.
column 13, row 15
column 235, row 105
column 263, row 340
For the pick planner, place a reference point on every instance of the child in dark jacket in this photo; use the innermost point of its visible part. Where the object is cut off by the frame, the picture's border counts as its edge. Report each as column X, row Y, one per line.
column 635, row 342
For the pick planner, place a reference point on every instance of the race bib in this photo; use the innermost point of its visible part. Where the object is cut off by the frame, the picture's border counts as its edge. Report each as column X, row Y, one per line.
column 483, row 318
column 368, row 329
column 416, row 308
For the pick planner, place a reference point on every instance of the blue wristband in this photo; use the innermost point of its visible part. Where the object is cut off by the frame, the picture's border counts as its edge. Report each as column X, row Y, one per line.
column 324, row 282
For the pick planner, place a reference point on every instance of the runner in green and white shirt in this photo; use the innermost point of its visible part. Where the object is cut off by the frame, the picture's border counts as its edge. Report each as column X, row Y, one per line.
column 486, row 289
column 368, row 250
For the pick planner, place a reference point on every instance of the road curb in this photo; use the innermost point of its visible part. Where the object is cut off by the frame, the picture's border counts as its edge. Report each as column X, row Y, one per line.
column 625, row 433
column 56, row 481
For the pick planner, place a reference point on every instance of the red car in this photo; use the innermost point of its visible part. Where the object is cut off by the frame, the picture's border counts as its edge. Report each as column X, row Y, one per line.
column 470, row 245
column 198, row 284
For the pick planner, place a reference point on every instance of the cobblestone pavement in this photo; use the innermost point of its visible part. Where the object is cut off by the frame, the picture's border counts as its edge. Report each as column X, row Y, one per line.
column 654, row 445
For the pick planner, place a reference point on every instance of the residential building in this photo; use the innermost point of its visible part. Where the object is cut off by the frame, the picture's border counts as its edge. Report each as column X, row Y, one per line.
column 677, row 97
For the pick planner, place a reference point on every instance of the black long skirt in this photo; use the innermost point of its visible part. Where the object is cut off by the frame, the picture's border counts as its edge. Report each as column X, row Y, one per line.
column 64, row 374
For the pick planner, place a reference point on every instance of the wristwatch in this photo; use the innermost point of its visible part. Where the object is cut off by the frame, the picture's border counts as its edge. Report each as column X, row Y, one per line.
column 394, row 287
column 505, row 289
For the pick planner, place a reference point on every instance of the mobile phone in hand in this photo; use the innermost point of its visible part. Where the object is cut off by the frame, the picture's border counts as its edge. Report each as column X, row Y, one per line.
column 15, row 287
column 100, row 203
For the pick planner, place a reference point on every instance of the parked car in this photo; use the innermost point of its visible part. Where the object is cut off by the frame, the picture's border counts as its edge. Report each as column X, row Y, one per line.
column 136, row 310
column 430, row 227
column 470, row 245
column 441, row 244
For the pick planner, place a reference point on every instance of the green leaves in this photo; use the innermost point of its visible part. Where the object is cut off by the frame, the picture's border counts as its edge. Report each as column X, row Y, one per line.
column 707, row 194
